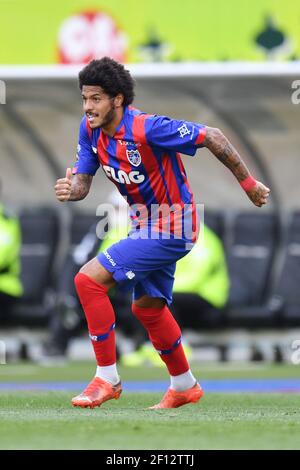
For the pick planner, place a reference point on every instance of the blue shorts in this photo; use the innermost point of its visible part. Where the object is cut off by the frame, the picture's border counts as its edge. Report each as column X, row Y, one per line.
column 145, row 265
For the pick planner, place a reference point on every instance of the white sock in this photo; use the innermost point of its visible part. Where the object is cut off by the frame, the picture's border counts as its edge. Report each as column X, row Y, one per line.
column 183, row 381
column 108, row 373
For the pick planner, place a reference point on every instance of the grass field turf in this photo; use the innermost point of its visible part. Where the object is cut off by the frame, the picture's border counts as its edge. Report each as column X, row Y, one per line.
column 45, row 420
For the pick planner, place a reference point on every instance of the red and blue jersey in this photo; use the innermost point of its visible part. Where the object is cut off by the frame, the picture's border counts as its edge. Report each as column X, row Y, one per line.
column 143, row 160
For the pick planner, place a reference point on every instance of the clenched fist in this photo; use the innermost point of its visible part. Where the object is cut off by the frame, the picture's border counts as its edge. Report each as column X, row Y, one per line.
column 63, row 187
column 259, row 194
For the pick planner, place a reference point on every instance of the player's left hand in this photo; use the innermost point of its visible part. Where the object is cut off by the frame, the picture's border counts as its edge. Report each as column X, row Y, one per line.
column 259, row 194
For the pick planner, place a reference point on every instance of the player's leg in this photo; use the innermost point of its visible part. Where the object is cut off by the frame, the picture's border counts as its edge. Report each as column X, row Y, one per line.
column 92, row 284
column 165, row 335
column 148, row 266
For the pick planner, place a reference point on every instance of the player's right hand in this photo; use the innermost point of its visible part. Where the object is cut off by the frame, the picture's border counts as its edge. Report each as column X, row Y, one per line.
column 63, row 187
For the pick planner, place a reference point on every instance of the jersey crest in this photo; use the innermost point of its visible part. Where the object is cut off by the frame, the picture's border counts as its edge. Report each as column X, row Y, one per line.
column 134, row 157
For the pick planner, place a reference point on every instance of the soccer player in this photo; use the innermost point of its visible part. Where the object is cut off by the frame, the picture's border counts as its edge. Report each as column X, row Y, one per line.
column 140, row 154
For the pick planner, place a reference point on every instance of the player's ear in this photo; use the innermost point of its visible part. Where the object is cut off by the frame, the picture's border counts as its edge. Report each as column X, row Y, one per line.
column 119, row 99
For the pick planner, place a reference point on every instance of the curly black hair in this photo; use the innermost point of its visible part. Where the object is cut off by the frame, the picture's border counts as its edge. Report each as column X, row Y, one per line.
column 111, row 76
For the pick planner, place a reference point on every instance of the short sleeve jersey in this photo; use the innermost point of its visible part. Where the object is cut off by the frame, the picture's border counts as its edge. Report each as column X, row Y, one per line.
column 143, row 159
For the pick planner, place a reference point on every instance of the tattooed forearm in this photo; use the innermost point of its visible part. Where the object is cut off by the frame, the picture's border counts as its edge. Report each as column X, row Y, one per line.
column 220, row 146
column 80, row 187
column 217, row 143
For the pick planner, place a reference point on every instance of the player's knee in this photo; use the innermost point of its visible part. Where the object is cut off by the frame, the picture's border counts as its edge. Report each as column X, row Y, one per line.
column 87, row 287
column 142, row 314
column 149, row 302
column 148, row 308
column 95, row 271
column 80, row 282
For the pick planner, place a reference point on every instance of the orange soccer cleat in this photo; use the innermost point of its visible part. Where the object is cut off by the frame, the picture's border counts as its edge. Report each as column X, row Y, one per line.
column 173, row 399
column 97, row 392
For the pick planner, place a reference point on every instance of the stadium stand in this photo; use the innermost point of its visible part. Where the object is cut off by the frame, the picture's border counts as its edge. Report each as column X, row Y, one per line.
column 253, row 240
column 39, row 242
column 78, row 228
column 287, row 292
column 40, row 246
column 215, row 221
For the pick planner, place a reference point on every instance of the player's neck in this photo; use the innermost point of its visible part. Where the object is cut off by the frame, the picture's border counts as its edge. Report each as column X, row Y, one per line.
column 111, row 127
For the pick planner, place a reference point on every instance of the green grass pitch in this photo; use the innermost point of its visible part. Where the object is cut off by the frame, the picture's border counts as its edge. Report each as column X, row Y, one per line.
column 45, row 420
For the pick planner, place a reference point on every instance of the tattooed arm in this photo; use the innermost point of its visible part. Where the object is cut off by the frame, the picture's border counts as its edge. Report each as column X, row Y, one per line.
column 220, row 146
column 73, row 188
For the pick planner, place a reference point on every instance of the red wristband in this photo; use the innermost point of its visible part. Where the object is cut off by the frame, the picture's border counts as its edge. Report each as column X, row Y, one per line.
column 248, row 183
